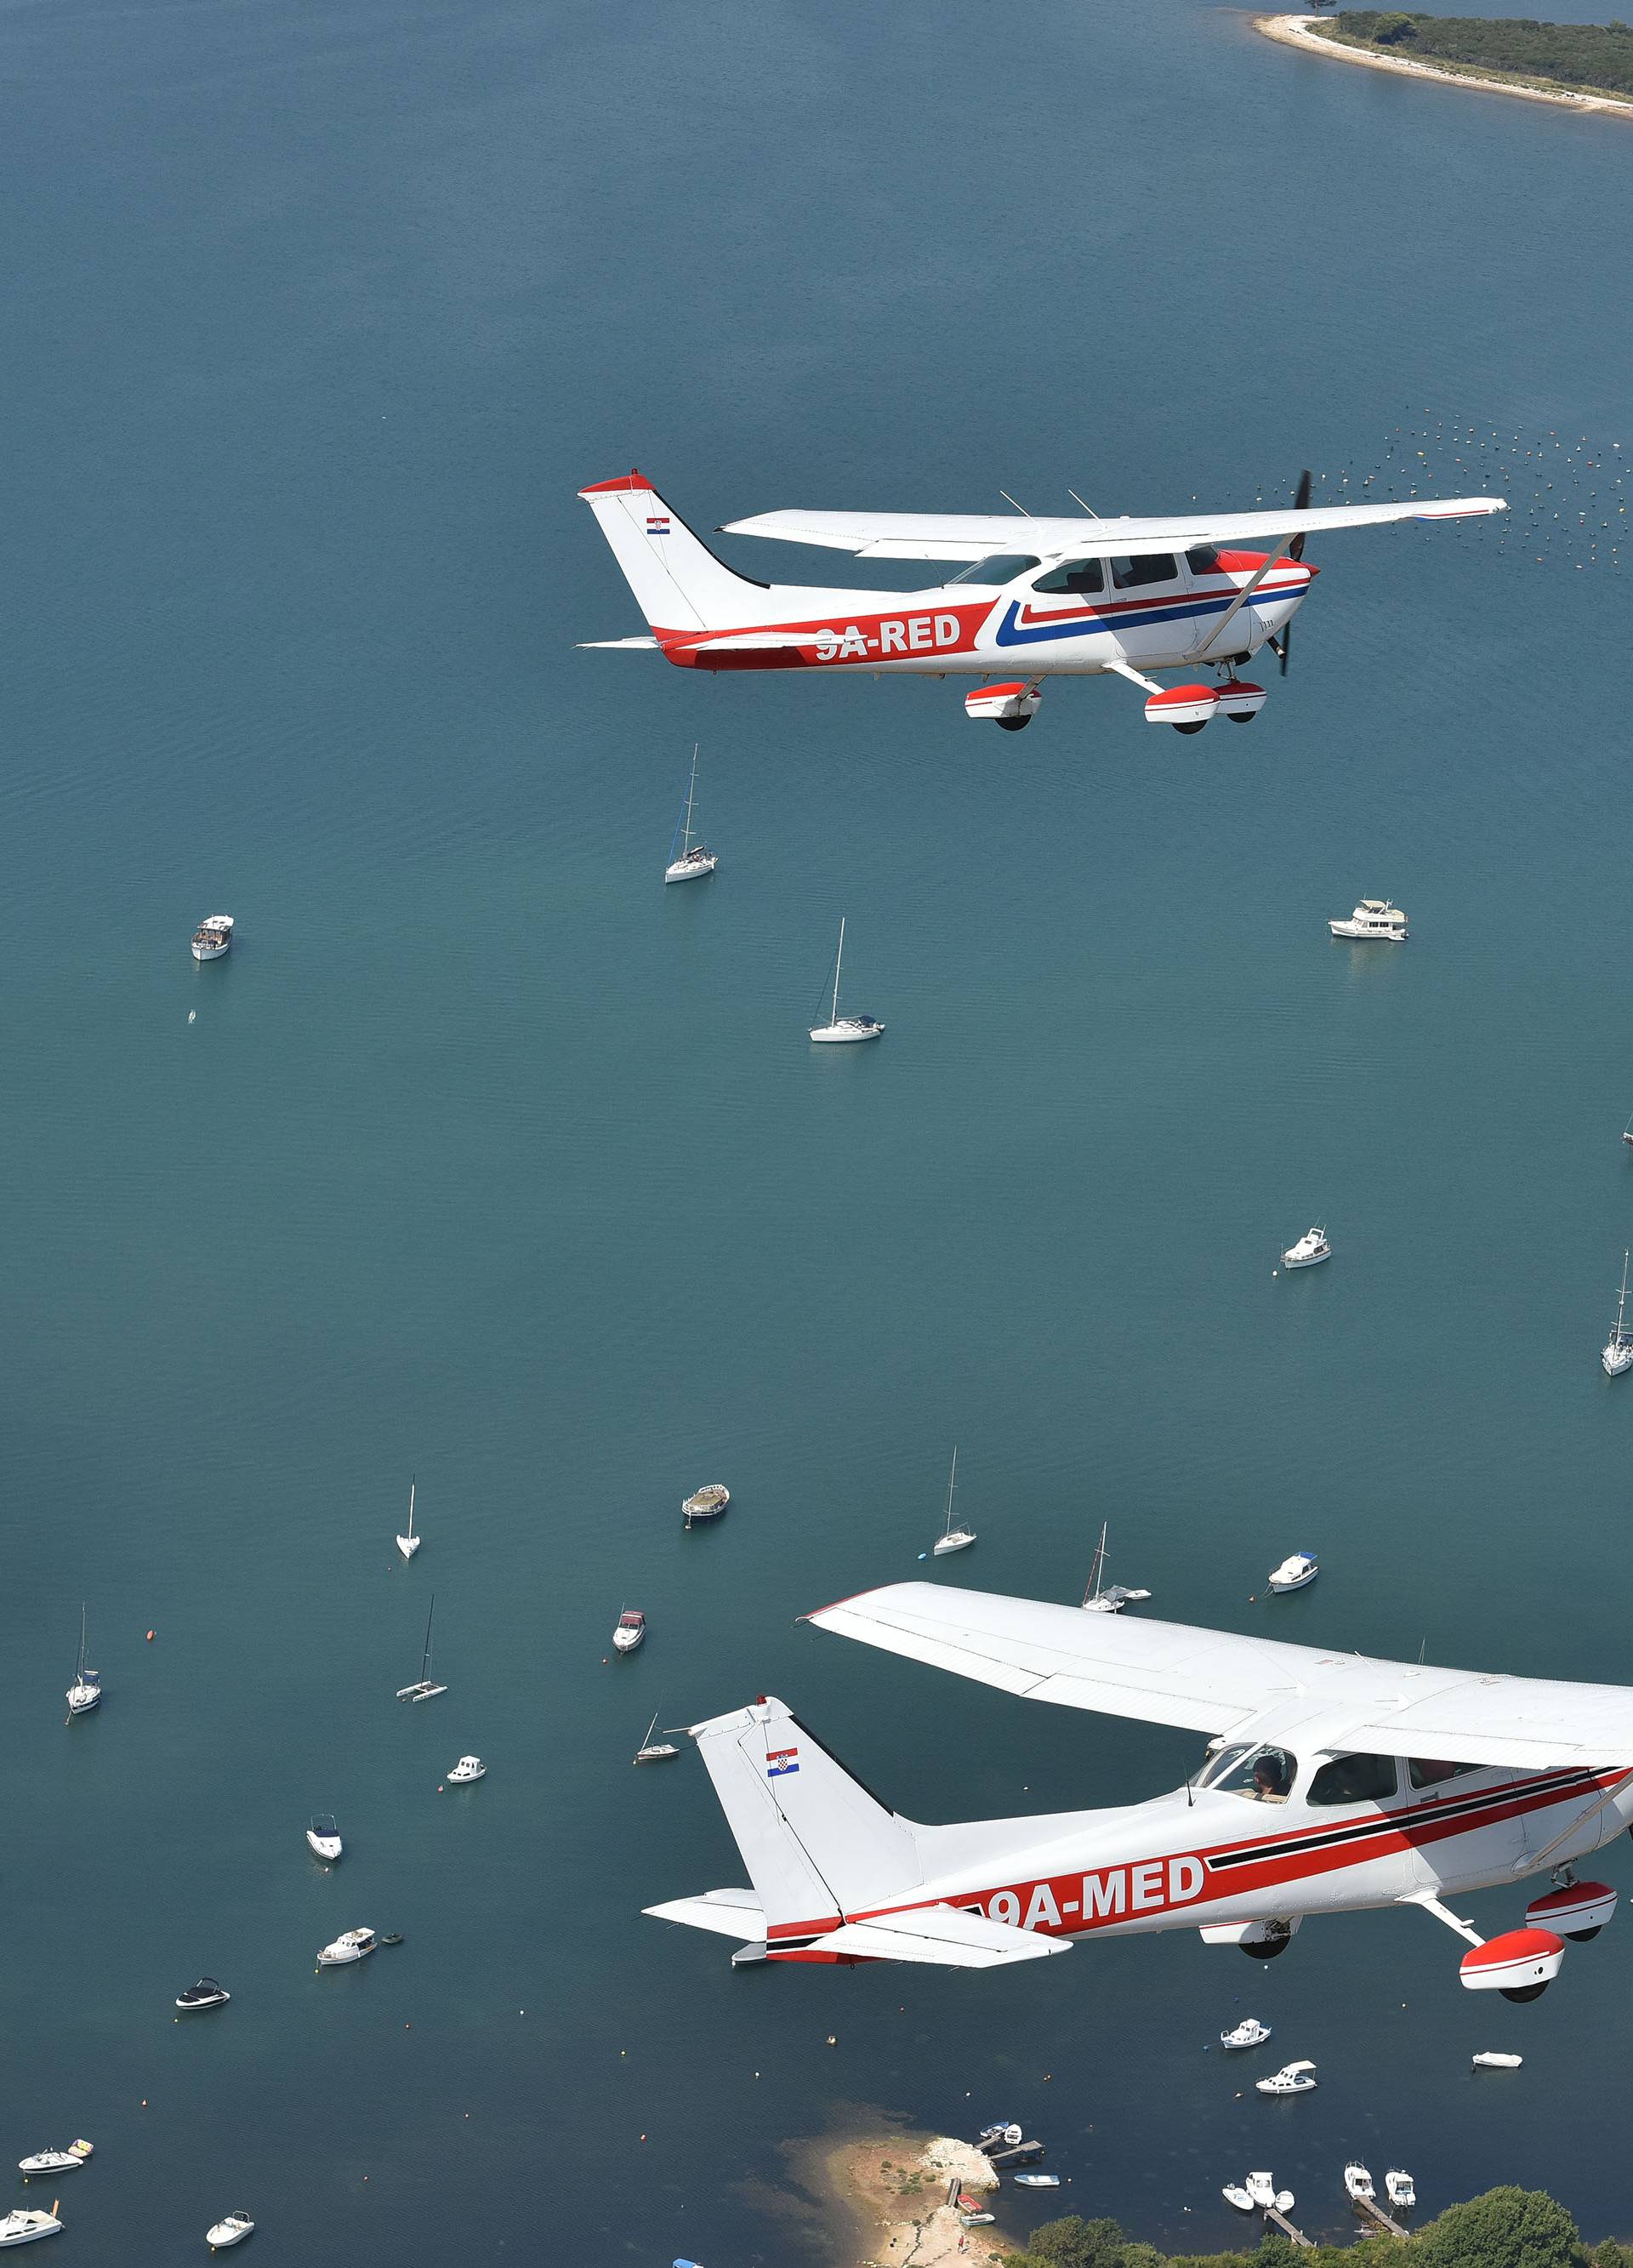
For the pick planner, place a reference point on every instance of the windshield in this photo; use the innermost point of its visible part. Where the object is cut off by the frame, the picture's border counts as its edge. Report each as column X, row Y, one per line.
column 1264, row 1775
column 1000, row 567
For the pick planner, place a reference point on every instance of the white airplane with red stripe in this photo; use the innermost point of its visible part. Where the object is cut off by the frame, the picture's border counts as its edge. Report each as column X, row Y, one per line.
column 1196, row 592
column 1330, row 1784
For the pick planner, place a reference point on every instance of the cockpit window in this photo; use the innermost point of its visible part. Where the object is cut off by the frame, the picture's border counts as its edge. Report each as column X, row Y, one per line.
column 1078, row 578
column 1147, row 567
column 1429, row 1772
column 1002, row 567
column 1354, row 1780
column 1264, row 1775
column 1203, row 559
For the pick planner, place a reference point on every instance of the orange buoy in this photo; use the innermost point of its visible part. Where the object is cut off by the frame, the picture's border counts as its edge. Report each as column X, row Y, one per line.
column 150, row 1637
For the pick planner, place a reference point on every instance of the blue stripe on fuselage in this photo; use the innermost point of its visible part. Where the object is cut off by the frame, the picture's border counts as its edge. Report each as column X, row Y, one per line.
column 1166, row 610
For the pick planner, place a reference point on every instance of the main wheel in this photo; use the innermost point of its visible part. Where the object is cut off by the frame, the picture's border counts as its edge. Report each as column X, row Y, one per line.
column 1013, row 723
column 1524, row 1992
column 1584, row 1936
column 1272, row 1948
column 1246, row 718
column 1191, row 728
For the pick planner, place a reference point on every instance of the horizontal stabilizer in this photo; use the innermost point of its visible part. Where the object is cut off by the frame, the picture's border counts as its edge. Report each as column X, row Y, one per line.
column 618, row 645
column 730, row 1913
column 754, row 642
column 945, row 1935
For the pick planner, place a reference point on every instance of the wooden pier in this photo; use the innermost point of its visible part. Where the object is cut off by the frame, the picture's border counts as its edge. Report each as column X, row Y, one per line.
column 1296, row 2236
column 1394, row 2228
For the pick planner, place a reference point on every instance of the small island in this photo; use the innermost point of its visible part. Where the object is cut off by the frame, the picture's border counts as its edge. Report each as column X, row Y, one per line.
column 1589, row 66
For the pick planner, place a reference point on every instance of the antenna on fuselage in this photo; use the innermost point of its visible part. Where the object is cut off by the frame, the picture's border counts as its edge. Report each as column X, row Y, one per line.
column 1020, row 508
column 1077, row 500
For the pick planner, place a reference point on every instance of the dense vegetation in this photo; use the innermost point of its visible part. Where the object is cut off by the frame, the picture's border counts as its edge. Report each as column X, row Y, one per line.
column 1504, row 2228
column 1578, row 56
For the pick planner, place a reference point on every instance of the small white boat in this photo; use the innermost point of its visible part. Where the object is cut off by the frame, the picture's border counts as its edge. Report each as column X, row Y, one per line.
column 1002, row 2137
column 1261, row 2188
column 231, row 2230
column 706, row 1503
column 207, row 1993
column 1311, row 1249
column 1490, row 2059
column 840, row 1027
column 1618, row 1355
column 1250, row 2033
column 693, row 860
column 410, row 1544
column 1627, row 1133
column 324, row 1836
column 55, row 2161
column 1298, row 1568
column 1292, row 2079
column 655, row 1752
column 951, row 1539
column 630, row 1630
column 1373, row 918
column 1036, row 2181
column 425, row 1687
column 1233, row 2194
column 85, row 1693
column 351, row 1945
column 24, row 2227
column 1286, row 2201
column 468, row 1769
column 1358, row 2181
column 972, row 2216
column 213, row 937
column 1103, row 1598
column 1400, row 2188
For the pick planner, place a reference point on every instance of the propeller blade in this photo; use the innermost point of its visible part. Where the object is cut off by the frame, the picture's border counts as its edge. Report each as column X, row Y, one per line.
column 1301, row 503
column 1285, row 647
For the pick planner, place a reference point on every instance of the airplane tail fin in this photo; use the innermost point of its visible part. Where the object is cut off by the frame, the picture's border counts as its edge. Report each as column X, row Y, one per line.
column 679, row 583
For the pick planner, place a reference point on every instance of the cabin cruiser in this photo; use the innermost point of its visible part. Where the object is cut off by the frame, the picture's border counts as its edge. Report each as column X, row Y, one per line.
column 231, row 2230
column 630, row 1630
column 207, row 1993
column 324, row 1836
column 1490, row 2059
column 1311, row 1249
column 55, row 2161
column 706, row 1503
column 1250, row 2033
column 1261, row 2188
column 24, row 2227
column 1298, row 1568
column 468, row 1769
column 213, row 937
column 351, row 1945
column 1358, row 2181
column 1373, row 917
column 1401, row 2189
column 1292, row 2079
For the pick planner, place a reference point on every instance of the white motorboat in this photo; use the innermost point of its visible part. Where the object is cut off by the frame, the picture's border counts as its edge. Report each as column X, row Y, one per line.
column 425, row 1687
column 1292, row 2079
column 1001, row 2137
column 1261, row 2187
column 85, row 1693
column 1627, row 1133
column 1286, row 2201
column 1618, row 1355
column 1233, row 2194
column 468, row 1769
column 1400, row 2188
column 1373, row 918
column 630, row 1630
column 1490, row 2059
column 55, row 2161
column 693, row 860
column 324, row 1836
column 1250, row 2033
column 233, row 2228
column 1310, row 1250
column 706, row 1503
column 1358, row 2181
column 410, row 1544
column 207, row 1993
column 24, row 2227
column 1101, row 1597
column 951, row 1539
column 840, row 1027
column 351, row 1945
column 213, row 937
column 1036, row 2181
column 655, row 1752
column 1298, row 1568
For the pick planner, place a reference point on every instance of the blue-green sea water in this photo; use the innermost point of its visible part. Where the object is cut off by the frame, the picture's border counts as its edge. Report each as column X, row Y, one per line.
column 490, row 1161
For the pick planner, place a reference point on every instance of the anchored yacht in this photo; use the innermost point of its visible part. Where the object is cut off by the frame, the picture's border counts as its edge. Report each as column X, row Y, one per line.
column 324, row 1836
column 1311, row 1249
column 706, row 1503
column 840, row 1027
column 1373, row 918
column 630, row 1630
column 85, row 1693
column 1617, row 1357
column 351, row 1945
column 213, row 937
column 1298, row 1568
column 233, row 2228
column 694, row 860
column 24, row 2227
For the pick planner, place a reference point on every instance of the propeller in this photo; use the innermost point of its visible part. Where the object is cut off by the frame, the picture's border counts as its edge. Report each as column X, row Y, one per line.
column 1282, row 647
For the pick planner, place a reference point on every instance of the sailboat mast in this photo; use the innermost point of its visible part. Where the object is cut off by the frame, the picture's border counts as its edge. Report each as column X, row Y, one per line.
column 79, row 1674
column 951, row 1485
column 1623, row 1304
column 838, row 957
column 425, row 1659
column 685, row 840
column 1097, row 1571
column 411, row 1488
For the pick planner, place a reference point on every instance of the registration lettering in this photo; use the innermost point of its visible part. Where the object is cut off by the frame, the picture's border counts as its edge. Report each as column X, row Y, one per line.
column 1154, row 1885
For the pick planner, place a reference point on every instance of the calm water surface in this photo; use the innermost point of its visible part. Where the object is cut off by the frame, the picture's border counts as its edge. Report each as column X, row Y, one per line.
column 488, row 1159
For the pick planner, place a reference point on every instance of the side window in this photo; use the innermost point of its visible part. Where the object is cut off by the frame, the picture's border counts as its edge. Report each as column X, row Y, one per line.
column 1264, row 1775
column 1203, row 559
column 1081, row 578
column 997, row 567
column 1354, row 1780
column 1153, row 567
column 1429, row 1772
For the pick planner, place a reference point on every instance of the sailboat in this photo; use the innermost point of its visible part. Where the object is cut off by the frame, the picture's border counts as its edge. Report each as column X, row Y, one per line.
column 1618, row 1355
column 410, row 1544
column 693, row 860
column 845, row 1027
column 655, row 1752
column 85, row 1693
column 950, row 1538
column 1102, row 1598
column 424, row 1690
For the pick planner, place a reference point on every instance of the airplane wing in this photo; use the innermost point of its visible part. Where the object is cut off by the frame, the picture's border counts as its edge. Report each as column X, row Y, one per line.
column 1217, row 1681
column 978, row 535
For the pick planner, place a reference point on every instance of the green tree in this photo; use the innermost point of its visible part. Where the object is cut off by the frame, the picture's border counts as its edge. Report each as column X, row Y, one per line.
column 1392, row 28
column 1504, row 2228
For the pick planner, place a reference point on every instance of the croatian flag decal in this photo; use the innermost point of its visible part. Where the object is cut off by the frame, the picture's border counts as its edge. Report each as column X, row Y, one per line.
column 779, row 1761
column 657, row 523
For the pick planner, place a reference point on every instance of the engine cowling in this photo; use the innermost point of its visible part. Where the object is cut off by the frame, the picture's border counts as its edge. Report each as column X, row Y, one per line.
column 1577, row 1914
column 1009, row 706
column 1521, row 1964
column 1186, row 707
